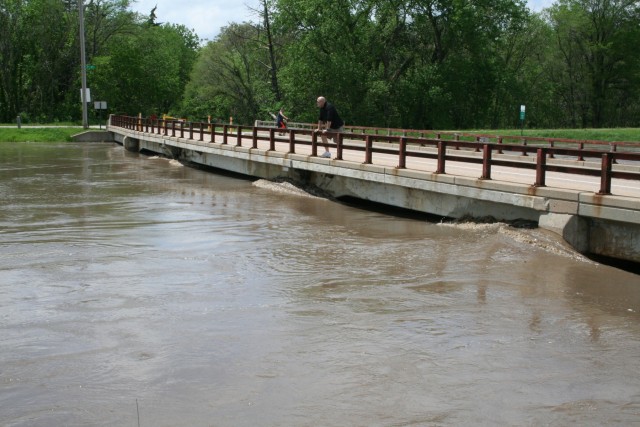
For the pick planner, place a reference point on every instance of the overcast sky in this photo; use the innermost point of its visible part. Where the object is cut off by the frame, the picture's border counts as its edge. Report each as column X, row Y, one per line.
column 207, row 17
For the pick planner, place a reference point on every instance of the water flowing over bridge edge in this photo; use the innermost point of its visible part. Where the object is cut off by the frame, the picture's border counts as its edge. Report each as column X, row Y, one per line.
column 591, row 222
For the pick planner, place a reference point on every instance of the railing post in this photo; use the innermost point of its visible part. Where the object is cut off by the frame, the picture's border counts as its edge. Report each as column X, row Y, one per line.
column 292, row 142
column 339, row 146
column 402, row 154
column 500, row 143
column 238, row 136
column 541, row 167
column 368, row 151
column 486, row 161
column 201, row 131
column 212, row 137
column 225, row 133
column 190, row 130
column 173, row 128
column 581, row 147
column 605, row 176
column 613, row 148
column 272, row 139
column 255, row 137
column 442, row 154
column 457, row 138
column 477, row 142
column 551, row 145
column 314, row 143
column 166, row 128
column 524, row 144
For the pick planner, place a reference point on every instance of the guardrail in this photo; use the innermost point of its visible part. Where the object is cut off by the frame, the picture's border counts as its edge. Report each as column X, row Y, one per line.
column 290, row 124
column 404, row 147
column 536, row 141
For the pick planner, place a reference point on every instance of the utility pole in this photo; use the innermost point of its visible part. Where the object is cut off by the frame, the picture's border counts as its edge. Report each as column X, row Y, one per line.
column 83, row 64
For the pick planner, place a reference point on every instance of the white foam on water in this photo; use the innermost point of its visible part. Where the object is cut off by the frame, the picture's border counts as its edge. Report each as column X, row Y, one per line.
column 172, row 162
column 538, row 238
column 283, row 187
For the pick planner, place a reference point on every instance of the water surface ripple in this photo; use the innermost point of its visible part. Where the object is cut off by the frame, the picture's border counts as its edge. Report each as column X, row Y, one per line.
column 131, row 286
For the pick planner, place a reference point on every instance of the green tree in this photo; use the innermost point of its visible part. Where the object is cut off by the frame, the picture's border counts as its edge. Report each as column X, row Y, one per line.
column 230, row 78
column 52, row 59
column 405, row 63
column 11, row 52
column 146, row 72
column 596, row 65
column 40, row 53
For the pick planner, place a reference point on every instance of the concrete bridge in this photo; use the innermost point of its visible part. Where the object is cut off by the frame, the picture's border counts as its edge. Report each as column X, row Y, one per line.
column 589, row 196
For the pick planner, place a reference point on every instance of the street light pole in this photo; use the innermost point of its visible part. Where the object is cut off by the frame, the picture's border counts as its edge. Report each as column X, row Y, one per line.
column 83, row 64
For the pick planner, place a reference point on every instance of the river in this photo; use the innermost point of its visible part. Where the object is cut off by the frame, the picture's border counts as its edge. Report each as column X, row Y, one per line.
column 137, row 291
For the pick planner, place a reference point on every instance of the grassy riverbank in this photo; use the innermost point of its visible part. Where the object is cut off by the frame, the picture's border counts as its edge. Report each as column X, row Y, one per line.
column 608, row 135
column 613, row 134
column 38, row 134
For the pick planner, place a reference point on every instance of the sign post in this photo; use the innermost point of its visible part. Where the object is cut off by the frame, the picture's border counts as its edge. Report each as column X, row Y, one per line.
column 100, row 105
column 83, row 64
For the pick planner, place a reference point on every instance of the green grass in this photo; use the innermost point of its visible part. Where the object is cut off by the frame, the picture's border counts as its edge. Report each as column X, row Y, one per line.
column 50, row 134
column 609, row 135
column 58, row 133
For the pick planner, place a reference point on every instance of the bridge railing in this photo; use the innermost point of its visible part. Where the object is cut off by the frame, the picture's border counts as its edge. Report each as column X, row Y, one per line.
column 290, row 124
column 630, row 146
column 536, row 141
column 407, row 147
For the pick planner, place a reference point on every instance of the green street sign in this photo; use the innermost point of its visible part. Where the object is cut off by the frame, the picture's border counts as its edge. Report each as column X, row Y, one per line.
column 91, row 67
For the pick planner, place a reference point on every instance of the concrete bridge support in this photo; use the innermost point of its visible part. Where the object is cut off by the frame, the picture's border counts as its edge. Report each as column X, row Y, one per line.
column 574, row 229
column 131, row 144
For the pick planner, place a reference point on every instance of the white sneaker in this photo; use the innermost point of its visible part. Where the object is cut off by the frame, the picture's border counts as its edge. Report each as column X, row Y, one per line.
column 326, row 154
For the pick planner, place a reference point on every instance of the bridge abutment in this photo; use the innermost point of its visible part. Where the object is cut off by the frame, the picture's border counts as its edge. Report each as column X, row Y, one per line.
column 131, row 144
column 573, row 228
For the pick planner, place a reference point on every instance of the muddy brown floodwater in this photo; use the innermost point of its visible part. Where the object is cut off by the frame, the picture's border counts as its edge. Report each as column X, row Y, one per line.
column 132, row 287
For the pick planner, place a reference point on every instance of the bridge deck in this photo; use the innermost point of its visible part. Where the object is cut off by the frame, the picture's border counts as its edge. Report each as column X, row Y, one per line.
column 568, row 181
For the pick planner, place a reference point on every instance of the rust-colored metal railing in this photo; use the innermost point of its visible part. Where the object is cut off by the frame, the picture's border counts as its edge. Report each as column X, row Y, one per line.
column 404, row 146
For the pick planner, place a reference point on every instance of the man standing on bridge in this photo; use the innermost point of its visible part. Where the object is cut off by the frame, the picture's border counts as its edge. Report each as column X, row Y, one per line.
column 329, row 123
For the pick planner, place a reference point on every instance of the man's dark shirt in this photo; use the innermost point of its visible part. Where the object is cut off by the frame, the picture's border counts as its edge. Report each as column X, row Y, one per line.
column 328, row 113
